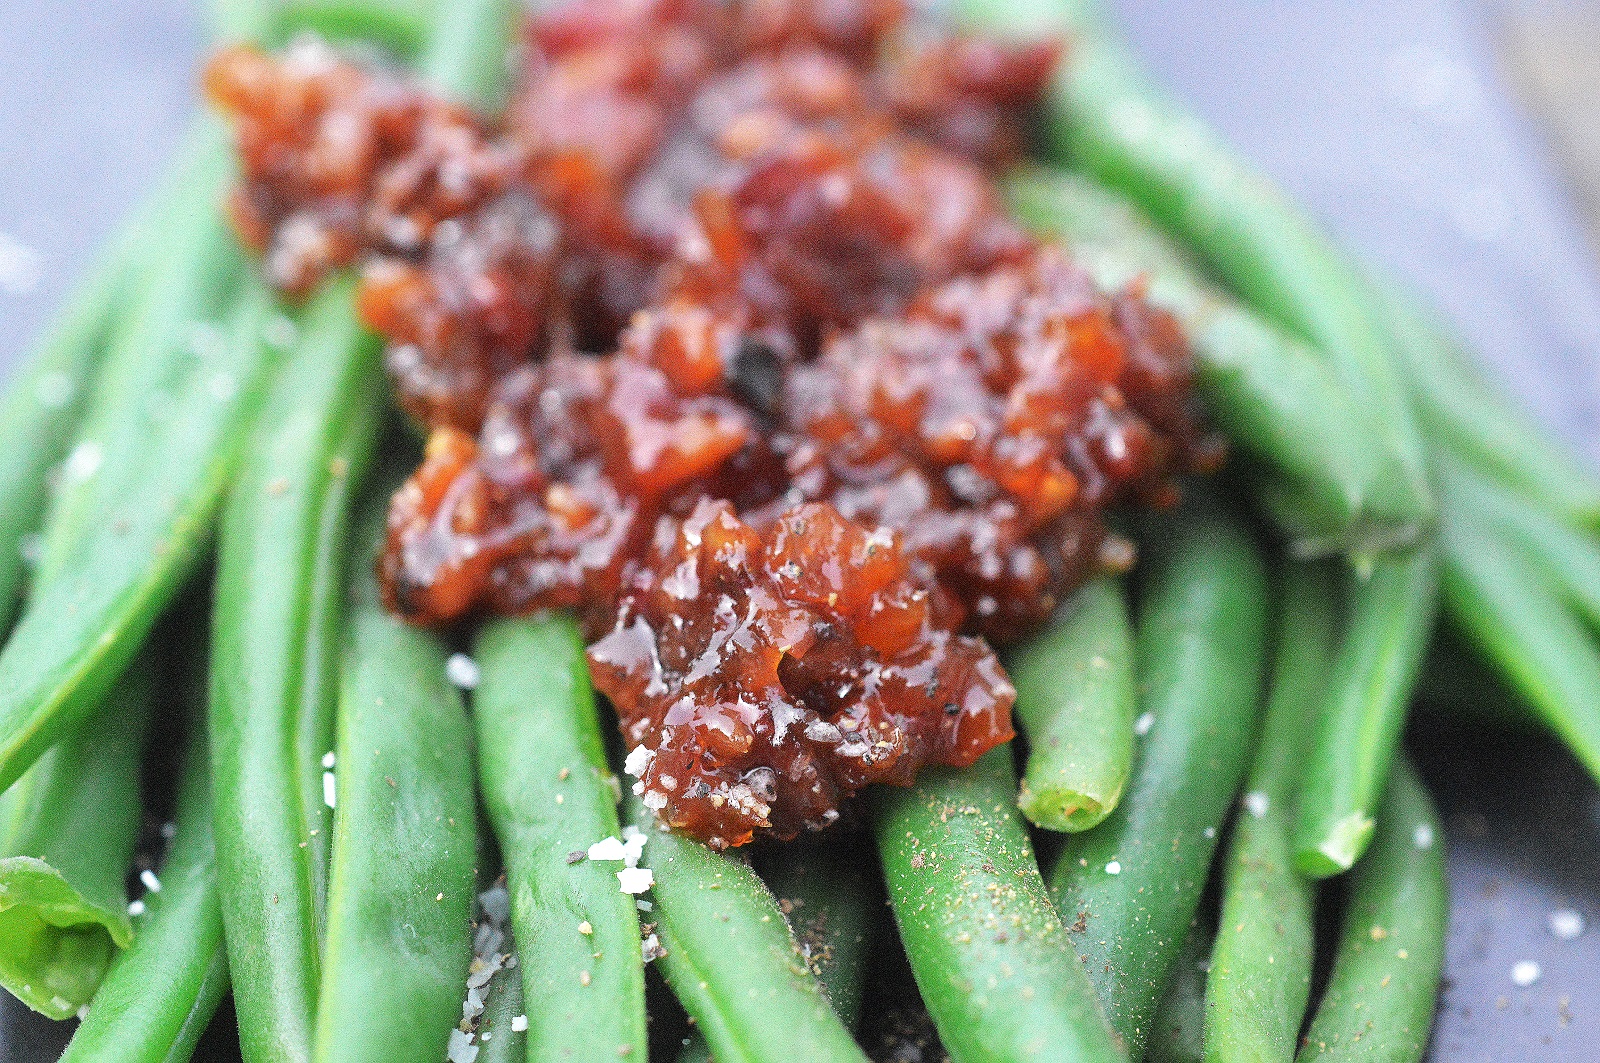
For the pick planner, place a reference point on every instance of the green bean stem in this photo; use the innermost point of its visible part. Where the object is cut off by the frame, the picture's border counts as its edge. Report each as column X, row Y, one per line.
column 997, row 969
column 550, row 794
column 1380, row 998
column 1075, row 698
column 73, row 822
column 161, row 992
column 405, row 841
column 275, row 636
column 732, row 959
column 1261, row 964
column 1131, row 886
column 1386, row 631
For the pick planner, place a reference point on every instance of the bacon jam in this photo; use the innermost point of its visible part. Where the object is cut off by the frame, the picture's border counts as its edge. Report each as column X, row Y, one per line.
column 723, row 339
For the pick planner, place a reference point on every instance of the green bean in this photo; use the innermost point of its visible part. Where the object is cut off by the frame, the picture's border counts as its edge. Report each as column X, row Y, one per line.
column 1380, row 998
column 549, row 794
column 1261, row 964
column 275, row 633
column 503, row 1006
column 73, row 822
column 1131, row 886
column 830, row 906
column 45, row 401
column 1520, row 621
column 138, row 494
column 731, row 958
column 997, row 969
column 1108, row 118
column 1463, row 413
column 1565, row 556
column 469, row 51
column 161, row 992
column 1075, row 698
column 1386, row 631
column 1178, row 1035
column 400, row 888
column 1328, row 477
column 401, row 26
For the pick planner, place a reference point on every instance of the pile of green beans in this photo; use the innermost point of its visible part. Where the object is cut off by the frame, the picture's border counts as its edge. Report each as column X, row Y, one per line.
column 185, row 462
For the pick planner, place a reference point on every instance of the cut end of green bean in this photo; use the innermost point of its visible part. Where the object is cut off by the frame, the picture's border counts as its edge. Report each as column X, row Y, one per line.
column 1338, row 852
column 54, row 945
column 1063, row 809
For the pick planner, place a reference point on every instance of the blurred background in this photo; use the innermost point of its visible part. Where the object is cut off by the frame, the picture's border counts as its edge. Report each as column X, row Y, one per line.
column 1455, row 142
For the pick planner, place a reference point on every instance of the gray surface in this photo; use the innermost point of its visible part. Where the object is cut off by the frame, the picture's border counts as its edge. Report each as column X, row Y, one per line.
column 1385, row 117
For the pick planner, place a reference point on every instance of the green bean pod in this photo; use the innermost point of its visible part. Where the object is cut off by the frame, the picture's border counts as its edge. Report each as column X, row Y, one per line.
column 1463, row 413
column 732, row 959
column 1521, row 621
column 468, row 57
column 1321, row 467
column 1260, row 974
column 1565, row 556
column 405, row 841
column 550, row 794
column 274, row 677
column 502, row 1007
column 1386, row 631
column 45, row 400
column 1075, row 698
column 1179, row 1033
column 400, row 26
column 1131, row 887
column 160, row 993
column 1380, row 998
column 830, row 905
column 72, row 823
column 998, row 971
column 138, row 493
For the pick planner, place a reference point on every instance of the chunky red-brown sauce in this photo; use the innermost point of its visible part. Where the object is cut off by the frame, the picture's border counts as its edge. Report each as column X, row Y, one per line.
column 723, row 338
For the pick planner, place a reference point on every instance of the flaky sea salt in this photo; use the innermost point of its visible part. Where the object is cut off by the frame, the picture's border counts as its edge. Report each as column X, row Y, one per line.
column 1524, row 973
column 635, row 879
column 1142, row 725
column 639, row 759
column 463, row 672
column 608, row 849
column 1257, row 803
column 150, row 881
column 1114, row 868
column 1422, row 836
column 330, row 789
column 519, row 1023
column 461, row 1049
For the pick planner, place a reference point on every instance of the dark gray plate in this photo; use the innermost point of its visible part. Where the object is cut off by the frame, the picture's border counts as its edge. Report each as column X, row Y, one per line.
column 1387, row 118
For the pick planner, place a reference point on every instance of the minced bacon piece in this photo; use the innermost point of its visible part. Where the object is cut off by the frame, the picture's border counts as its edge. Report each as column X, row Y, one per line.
column 994, row 423
column 771, row 676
